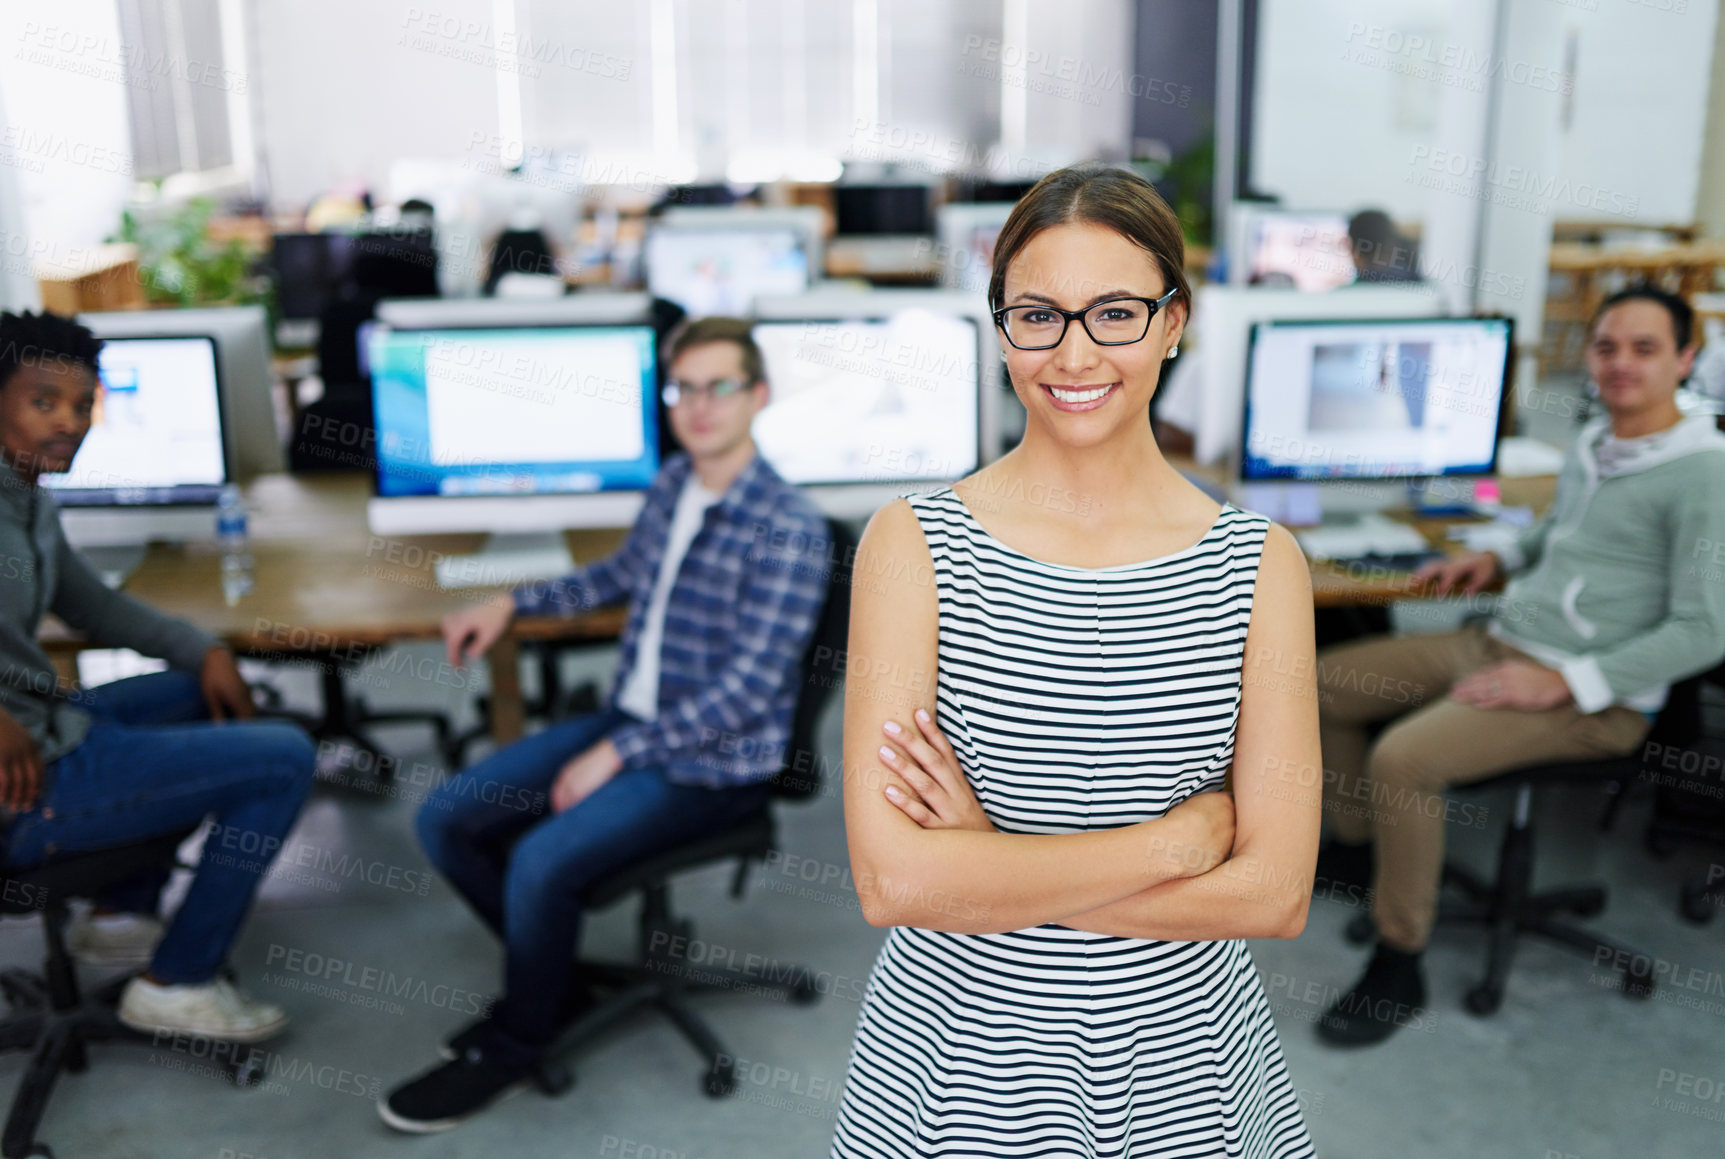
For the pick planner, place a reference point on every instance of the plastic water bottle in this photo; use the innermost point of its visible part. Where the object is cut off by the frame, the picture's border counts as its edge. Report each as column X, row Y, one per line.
column 231, row 534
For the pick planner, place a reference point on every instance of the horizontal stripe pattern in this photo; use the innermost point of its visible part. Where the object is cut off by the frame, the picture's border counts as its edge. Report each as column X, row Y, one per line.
column 1076, row 699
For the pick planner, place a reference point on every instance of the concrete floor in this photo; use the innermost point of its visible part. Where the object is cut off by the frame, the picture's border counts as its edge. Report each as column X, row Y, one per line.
column 1568, row 1069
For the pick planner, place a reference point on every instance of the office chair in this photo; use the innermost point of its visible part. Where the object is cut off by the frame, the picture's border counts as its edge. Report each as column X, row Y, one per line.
column 661, row 978
column 1689, row 802
column 1508, row 905
column 49, row 1015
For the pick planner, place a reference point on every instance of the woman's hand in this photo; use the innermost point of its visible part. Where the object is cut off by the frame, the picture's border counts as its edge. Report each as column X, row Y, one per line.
column 939, row 795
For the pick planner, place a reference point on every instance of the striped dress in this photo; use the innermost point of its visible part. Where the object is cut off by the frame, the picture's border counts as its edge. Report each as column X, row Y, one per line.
column 1076, row 698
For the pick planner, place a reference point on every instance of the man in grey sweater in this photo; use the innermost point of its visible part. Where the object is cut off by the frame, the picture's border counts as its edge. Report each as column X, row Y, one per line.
column 85, row 769
column 1612, row 598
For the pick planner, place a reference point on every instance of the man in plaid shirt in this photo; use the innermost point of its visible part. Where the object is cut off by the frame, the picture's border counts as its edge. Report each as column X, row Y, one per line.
column 725, row 572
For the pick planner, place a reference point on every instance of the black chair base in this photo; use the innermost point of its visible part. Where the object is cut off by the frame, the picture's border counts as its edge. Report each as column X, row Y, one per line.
column 1509, row 909
column 49, row 1014
column 664, row 978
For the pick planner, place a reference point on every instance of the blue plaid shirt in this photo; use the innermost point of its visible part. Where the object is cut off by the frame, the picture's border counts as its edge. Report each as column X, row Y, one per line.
column 740, row 615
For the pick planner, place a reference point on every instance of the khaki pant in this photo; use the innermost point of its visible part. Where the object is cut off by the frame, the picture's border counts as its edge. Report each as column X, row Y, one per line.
column 1391, row 791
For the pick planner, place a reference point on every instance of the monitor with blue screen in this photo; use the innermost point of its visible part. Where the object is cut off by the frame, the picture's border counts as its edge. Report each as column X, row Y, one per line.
column 564, row 410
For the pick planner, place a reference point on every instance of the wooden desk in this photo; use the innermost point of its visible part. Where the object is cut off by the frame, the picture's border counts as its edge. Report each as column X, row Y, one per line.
column 1353, row 585
column 1339, row 586
column 327, row 589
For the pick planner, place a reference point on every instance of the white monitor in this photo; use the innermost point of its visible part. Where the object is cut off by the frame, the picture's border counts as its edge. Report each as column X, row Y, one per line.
column 1282, row 248
column 877, row 393
column 467, row 313
column 721, row 270
column 1205, row 389
column 1371, row 399
column 252, row 433
column 808, row 221
column 967, row 234
column 515, row 430
column 153, row 463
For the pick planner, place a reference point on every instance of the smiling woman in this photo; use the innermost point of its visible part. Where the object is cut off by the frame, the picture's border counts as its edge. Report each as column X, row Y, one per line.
column 1051, row 834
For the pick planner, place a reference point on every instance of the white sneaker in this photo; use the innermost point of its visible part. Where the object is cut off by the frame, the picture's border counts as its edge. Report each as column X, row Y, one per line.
column 209, row 1010
column 114, row 939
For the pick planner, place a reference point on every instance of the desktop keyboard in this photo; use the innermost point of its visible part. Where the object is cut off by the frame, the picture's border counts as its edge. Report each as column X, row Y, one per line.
column 1392, row 561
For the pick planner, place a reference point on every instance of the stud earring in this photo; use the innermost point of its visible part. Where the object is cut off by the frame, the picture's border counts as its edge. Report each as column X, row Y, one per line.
column 1173, row 350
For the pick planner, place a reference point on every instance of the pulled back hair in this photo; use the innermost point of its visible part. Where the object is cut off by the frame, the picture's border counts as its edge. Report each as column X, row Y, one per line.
column 1096, row 194
column 44, row 339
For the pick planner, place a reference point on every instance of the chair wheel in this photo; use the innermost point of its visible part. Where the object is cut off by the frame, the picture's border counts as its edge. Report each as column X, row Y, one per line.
column 1591, row 908
column 1694, row 904
column 804, row 993
column 249, row 1071
column 1638, row 984
column 553, row 1079
column 1483, row 1000
column 720, row 1081
column 1360, row 931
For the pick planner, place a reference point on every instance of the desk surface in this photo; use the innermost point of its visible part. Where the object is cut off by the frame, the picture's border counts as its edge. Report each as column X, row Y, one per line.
column 322, row 580
column 1567, row 256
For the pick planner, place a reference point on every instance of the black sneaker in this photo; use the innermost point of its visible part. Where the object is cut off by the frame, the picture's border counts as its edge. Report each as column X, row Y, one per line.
column 1389, row 995
column 446, row 1095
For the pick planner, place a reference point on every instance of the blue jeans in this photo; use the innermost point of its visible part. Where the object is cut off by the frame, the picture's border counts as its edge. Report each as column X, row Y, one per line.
column 146, row 769
column 523, row 868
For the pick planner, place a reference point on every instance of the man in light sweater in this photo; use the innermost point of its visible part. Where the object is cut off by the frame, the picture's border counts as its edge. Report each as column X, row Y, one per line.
column 724, row 573
column 1611, row 599
column 86, row 769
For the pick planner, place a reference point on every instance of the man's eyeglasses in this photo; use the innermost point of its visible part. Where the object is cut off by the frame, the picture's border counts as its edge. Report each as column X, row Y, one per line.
column 1115, row 322
column 676, row 390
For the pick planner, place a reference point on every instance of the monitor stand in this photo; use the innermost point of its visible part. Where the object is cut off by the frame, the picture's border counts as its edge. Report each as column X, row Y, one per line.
column 507, row 559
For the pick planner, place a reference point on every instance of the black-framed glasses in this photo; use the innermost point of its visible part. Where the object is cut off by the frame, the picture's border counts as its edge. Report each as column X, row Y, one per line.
column 676, row 390
column 1115, row 322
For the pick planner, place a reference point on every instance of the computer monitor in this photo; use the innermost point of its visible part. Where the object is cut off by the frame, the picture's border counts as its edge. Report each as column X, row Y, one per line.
column 515, row 430
column 251, row 432
column 153, row 463
column 876, row 393
column 1306, row 250
column 1375, row 399
column 889, row 209
column 1203, row 390
column 582, row 309
column 809, row 222
column 709, row 270
column 308, row 267
column 967, row 234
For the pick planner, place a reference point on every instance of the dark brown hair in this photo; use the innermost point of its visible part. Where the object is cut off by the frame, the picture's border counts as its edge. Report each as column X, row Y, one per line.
column 1117, row 199
column 701, row 331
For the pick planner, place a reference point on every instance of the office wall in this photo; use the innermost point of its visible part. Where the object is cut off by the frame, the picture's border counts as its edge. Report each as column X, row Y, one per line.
column 345, row 88
column 1710, row 197
column 1350, row 91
